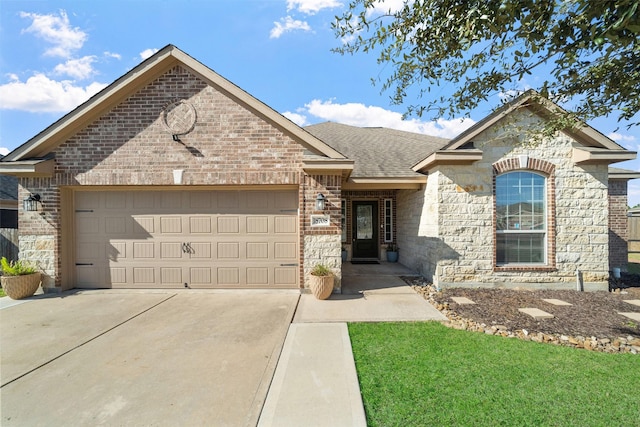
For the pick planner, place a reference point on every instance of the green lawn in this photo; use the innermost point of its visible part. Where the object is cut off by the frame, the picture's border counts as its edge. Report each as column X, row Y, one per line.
column 421, row 374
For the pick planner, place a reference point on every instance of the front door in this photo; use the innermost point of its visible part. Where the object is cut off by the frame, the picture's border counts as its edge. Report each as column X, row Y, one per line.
column 365, row 229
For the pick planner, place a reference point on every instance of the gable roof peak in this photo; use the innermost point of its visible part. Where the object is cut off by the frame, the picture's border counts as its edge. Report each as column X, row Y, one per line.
column 145, row 72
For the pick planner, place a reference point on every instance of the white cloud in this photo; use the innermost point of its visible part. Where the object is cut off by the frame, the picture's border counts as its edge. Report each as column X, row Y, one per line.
column 4, row 151
column 382, row 7
column 41, row 94
column 147, row 53
column 81, row 68
column 286, row 25
column 112, row 55
column 357, row 114
column 299, row 119
column 56, row 30
column 311, row 7
column 629, row 142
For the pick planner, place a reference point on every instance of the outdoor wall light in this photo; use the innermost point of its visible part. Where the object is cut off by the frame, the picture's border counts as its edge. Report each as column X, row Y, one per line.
column 320, row 202
column 30, row 204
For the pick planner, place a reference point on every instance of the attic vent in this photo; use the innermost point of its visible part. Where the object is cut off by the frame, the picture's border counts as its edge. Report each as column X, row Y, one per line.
column 467, row 146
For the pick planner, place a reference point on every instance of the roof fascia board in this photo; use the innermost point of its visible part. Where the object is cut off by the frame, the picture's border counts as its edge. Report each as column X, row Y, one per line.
column 385, row 183
column 542, row 107
column 582, row 156
column 43, row 143
column 441, row 157
column 30, row 168
column 624, row 176
column 145, row 72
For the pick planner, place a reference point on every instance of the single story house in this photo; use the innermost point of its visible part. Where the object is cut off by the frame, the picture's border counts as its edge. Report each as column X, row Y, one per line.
column 172, row 176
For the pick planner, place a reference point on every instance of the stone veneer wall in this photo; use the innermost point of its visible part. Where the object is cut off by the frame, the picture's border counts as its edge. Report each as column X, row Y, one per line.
column 461, row 251
column 417, row 228
column 618, row 225
column 321, row 245
column 129, row 146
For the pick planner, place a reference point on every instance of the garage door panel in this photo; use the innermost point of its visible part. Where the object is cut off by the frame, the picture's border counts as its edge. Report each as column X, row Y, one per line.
column 144, row 275
column 228, row 224
column 257, row 224
column 228, row 276
column 171, row 224
column 171, row 250
column 284, row 250
column 286, row 276
column 115, row 200
column 171, row 275
column 200, row 250
column 118, row 275
column 143, row 250
column 209, row 239
column 115, row 225
column 257, row 276
column 117, row 250
column 200, row 225
column 285, row 224
column 144, row 225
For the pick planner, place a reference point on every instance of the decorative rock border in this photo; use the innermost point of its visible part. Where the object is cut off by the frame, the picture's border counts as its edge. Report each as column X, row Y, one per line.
column 627, row 344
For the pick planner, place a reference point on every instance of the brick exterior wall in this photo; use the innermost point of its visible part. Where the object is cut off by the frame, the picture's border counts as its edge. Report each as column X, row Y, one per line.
column 618, row 225
column 131, row 146
column 449, row 227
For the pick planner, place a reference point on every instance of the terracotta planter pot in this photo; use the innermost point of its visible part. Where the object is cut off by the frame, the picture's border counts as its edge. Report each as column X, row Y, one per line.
column 18, row 287
column 321, row 286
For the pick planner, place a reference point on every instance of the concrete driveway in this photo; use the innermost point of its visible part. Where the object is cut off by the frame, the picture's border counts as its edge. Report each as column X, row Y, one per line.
column 141, row 358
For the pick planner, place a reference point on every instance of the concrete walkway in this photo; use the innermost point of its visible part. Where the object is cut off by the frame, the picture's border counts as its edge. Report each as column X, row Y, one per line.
column 315, row 383
column 195, row 358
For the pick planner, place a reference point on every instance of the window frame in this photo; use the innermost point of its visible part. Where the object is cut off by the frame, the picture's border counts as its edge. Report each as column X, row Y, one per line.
column 387, row 213
column 546, row 170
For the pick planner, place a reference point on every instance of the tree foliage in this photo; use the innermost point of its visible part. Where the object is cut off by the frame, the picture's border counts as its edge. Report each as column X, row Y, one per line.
column 583, row 51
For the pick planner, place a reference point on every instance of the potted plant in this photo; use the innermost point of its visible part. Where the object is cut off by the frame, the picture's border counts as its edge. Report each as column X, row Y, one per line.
column 19, row 279
column 321, row 281
column 392, row 252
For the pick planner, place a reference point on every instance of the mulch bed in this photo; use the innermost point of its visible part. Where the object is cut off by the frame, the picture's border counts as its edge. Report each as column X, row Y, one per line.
column 592, row 314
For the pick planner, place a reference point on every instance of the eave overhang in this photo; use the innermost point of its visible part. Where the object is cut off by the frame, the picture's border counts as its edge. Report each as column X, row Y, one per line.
column 39, row 168
column 594, row 155
column 455, row 157
column 342, row 167
column 385, row 183
column 623, row 175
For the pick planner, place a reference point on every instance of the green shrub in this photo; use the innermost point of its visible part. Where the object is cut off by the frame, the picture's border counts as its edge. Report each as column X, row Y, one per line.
column 321, row 270
column 16, row 268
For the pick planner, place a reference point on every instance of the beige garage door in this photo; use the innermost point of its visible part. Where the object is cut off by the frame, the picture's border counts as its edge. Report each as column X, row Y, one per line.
column 195, row 239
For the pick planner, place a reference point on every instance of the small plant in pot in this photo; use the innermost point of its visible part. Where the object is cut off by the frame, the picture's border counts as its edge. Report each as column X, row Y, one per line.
column 392, row 252
column 321, row 281
column 19, row 279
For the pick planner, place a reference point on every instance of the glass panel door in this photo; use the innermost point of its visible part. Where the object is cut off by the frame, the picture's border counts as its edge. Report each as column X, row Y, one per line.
column 365, row 229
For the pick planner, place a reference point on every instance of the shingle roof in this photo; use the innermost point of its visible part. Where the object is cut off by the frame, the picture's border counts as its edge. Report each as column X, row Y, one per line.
column 8, row 187
column 378, row 152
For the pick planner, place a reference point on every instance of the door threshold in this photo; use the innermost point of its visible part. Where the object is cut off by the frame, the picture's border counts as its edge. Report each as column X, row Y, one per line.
column 365, row 261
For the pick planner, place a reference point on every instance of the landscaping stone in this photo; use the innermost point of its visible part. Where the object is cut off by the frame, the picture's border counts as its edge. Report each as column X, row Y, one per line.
column 536, row 313
column 462, row 300
column 556, row 301
column 632, row 316
column 633, row 301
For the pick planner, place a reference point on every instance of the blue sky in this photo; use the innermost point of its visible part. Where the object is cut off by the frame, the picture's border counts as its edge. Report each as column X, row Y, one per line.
column 55, row 54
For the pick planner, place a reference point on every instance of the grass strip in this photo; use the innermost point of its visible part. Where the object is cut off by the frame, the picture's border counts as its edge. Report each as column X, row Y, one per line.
column 417, row 374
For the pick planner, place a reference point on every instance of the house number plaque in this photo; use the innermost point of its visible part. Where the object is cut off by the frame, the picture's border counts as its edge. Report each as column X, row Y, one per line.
column 320, row 220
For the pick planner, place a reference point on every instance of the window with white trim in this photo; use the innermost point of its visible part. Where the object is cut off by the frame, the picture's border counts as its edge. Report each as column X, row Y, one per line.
column 388, row 220
column 521, row 218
